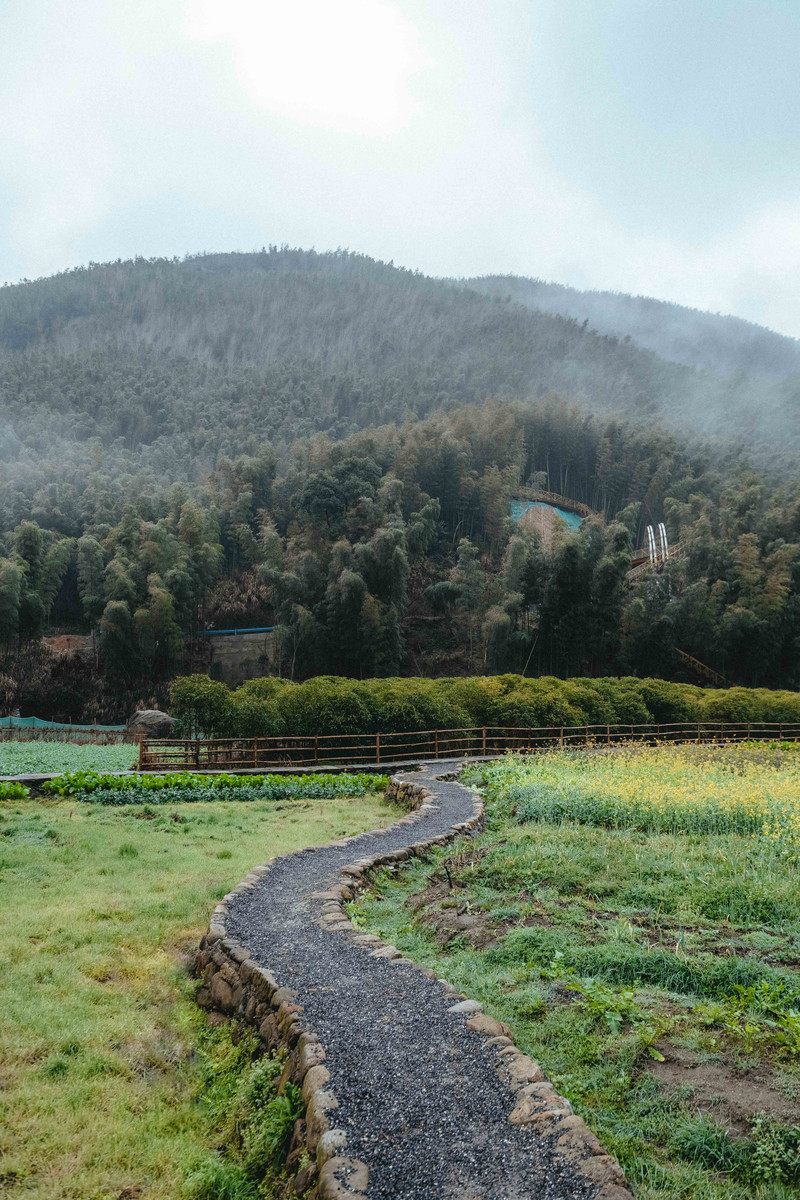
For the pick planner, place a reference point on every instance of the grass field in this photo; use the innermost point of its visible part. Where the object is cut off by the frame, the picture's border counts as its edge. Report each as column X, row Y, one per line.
column 112, row 1084
column 635, row 917
column 43, row 758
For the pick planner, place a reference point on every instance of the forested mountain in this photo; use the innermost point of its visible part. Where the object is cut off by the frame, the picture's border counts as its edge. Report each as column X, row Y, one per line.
column 708, row 340
column 330, row 445
column 164, row 366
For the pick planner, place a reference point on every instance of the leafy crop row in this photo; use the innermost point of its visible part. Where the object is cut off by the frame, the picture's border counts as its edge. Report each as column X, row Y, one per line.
column 168, row 789
column 44, row 758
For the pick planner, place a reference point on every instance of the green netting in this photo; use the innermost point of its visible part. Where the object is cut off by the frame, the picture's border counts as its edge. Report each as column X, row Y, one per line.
column 38, row 723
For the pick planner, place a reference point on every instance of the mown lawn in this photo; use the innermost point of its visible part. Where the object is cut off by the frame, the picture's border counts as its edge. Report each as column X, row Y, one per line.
column 636, row 918
column 111, row 1082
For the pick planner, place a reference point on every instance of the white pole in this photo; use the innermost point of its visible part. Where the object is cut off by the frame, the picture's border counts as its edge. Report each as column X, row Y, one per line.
column 651, row 544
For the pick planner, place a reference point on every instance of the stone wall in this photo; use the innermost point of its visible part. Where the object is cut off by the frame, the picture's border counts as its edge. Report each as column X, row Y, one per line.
column 240, row 656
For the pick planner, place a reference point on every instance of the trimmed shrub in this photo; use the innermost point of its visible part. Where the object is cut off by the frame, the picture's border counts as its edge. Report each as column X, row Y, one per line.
column 329, row 706
column 249, row 716
column 201, row 705
column 669, row 703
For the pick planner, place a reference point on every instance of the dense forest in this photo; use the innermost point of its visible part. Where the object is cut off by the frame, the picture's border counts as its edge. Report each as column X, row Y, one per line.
column 330, row 446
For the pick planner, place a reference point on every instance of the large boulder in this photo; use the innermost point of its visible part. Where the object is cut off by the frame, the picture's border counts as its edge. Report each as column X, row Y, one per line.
column 151, row 723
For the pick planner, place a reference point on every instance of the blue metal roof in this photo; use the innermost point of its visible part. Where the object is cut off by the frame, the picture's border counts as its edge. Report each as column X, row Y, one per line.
column 257, row 629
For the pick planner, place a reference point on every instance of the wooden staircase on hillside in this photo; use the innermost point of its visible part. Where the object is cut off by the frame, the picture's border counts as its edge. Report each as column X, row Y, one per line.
column 642, row 562
column 701, row 669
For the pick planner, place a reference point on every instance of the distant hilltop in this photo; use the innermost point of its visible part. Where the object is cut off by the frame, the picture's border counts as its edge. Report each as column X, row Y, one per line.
column 285, row 343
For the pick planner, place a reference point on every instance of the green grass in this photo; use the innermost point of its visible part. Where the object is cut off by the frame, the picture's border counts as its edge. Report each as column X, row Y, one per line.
column 44, row 758
column 110, row 1078
column 611, row 948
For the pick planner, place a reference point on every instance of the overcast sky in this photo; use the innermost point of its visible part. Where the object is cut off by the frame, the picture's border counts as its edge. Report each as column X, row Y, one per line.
column 639, row 145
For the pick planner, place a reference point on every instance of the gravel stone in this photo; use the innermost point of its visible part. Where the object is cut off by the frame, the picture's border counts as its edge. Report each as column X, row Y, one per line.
column 420, row 1101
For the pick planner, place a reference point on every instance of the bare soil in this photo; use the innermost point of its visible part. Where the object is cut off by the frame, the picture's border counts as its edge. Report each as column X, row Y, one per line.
column 731, row 1095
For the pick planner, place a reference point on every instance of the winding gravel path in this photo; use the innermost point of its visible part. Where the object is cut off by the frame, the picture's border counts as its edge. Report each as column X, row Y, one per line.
column 419, row 1096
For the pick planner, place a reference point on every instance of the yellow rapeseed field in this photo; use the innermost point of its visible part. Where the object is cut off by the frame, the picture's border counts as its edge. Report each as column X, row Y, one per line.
column 681, row 789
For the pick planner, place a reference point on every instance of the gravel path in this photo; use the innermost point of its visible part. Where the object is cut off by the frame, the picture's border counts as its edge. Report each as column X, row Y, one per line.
column 418, row 1093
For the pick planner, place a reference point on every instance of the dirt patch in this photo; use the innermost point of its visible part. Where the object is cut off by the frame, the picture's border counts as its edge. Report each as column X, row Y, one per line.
column 730, row 1096
column 445, row 911
column 723, row 940
column 69, row 644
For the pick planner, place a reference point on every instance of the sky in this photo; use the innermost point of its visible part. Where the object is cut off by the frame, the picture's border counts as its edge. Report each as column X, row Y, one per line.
column 645, row 146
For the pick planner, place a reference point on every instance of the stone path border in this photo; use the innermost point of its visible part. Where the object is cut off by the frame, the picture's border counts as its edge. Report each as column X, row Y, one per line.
column 495, row 1129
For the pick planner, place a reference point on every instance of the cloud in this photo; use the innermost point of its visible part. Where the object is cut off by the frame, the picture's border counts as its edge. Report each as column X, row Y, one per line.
column 345, row 65
column 406, row 130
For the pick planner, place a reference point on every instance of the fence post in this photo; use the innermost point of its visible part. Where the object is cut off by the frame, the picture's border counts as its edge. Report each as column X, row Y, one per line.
column 377, row 747
column 141, row 753
column 436, row 743
column 483, row 743
column 608, row 735
column 316, row 749
column 197, row 752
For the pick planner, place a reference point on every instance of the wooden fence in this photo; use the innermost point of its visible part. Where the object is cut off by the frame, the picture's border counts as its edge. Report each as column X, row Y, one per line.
column 263, row 754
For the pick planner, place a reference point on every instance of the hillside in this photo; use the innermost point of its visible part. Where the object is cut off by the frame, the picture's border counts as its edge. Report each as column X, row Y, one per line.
column 332, row 446
column 163, row 366
column 710, row 341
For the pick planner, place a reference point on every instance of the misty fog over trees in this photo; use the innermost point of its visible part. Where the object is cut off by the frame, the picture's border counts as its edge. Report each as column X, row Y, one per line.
column 330, row 445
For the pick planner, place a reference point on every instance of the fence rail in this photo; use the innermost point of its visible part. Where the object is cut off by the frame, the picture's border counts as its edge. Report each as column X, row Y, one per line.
column 254, row 754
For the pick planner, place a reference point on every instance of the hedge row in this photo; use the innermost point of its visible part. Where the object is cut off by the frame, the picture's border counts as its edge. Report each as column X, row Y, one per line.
column 329, row 705
column 91, row 788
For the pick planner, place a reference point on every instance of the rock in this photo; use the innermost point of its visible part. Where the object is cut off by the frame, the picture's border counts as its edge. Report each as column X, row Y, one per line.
column 577, row 1139
column 304, row 1179
column 315, row 1079
column 311, row 1054
column 469, row 1007
column 343, row 1179
column 268, row 1031
column 385, row 952
column 221, row 993
column 603, row 1169
column 317, row 1123
column 483, row 1024
column 151, row 723
column 330, row 1145
column 522, row 1070
column 528, row 1112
